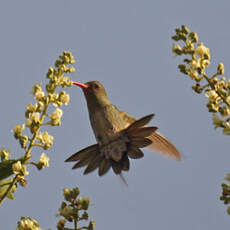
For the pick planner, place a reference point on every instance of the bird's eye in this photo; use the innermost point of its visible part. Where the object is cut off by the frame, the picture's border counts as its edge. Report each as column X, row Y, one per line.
column 96, row 86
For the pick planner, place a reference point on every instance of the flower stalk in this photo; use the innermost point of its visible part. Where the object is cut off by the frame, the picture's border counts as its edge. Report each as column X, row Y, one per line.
column 216, row 87
column 37, row 118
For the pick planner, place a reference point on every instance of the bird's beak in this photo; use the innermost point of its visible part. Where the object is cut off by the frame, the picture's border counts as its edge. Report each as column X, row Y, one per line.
column 83, row 86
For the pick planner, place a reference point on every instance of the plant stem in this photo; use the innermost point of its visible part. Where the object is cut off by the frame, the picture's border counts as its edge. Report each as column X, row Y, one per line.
column 36, row 133
column 211, row 85
column 39, row 145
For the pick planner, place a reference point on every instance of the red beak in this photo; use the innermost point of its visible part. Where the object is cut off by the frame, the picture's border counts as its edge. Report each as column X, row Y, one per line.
column 83, row 86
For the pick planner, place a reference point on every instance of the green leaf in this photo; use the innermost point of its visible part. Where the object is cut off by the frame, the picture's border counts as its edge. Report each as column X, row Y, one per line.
column 6, row 167
column 4, row 185
column 10, row 196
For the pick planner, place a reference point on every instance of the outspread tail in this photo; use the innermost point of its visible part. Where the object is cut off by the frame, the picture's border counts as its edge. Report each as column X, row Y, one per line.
column 92, row 158
column 88, row 151
column 94, row 164
column 104, row 167
column 134, row 152
column 138, row 135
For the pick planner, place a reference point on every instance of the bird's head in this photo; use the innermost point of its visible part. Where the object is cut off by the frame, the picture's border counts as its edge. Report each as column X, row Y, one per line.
column 94, row 92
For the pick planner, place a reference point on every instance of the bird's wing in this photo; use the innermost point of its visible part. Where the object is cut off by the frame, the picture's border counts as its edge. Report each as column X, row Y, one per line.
column 163, row 146
column 160, row 144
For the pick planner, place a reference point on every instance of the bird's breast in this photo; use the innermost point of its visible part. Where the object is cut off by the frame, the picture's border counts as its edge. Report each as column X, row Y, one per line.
column 107, row 124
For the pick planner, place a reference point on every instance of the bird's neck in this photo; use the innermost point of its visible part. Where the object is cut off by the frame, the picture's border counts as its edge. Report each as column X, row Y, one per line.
column 95, row 105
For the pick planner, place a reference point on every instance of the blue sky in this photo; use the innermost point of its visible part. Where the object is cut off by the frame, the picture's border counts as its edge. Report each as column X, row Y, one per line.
column 126, row 45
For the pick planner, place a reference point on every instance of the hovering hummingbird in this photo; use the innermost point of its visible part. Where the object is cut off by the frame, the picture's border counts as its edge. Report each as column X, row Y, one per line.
column 119, row 136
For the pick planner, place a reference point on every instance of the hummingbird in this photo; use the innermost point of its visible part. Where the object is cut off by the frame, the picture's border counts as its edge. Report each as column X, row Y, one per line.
column 119, row 136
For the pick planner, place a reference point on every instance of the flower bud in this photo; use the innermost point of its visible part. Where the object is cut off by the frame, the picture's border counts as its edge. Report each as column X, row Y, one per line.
column 202, row 51
column 64, row 98
column 18, row 131
column 67, row 212
column 183, row 69
column 177, row 49
column 27, row 223
column 45, row 139
column 61, row 224
column 44, row 162
column 193, row 37
column 220, row 69
column 4, row 154
column 19, row 169
column 71, row 194
column 216, row 121
column 185, row 29
column 23, row 141
column 83, row 203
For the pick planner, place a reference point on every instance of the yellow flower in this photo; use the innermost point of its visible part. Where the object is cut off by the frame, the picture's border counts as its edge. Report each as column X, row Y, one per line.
column 46, row 139
column 195, row 63
column 36, row 88
column 202, row 50
column 64, row 98
column 44, row 160
column 39, row 95
column 64, row 81
column 53, row 97
column 4, row 154
column 35, row 117
column 31, row 108
column 56, row 117
column 224, row 111
column 220, row 68
column 212, row 95
column 57, row 114
column 204, row 63
column 18, row 130
column 193, row 74
column 27, row 223
column 216, row 120
column 19, row 169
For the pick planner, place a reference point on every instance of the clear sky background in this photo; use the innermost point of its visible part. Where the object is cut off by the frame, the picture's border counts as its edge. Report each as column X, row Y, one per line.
column 125, row 44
